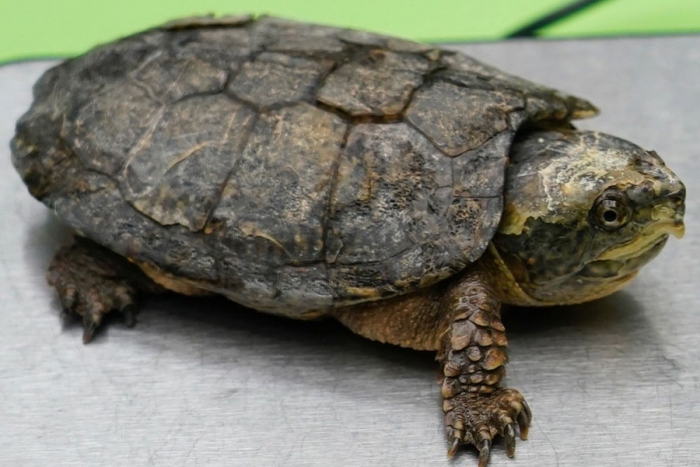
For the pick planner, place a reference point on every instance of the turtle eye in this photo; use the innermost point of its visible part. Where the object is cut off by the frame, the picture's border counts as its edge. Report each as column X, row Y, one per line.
column 612, row 210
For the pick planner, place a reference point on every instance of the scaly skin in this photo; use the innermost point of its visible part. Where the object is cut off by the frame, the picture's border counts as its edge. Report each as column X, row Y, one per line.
column 473, row 355
column 461, row 320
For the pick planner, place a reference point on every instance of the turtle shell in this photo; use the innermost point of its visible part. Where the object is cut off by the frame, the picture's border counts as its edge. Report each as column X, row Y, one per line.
column 291, row 167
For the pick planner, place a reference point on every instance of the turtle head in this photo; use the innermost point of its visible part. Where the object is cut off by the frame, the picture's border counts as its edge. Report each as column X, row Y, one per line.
column 584, row 211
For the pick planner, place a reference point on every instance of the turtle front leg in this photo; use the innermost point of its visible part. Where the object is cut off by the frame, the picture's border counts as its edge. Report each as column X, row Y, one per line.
column 460, row 318
column 92, row 281
column 473, row 354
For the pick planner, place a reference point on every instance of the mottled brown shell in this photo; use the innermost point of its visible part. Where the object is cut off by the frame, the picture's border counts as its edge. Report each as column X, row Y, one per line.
column 292, row 167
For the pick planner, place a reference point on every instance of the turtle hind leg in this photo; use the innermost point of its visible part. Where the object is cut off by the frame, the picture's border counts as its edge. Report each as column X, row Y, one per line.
column 92, row 281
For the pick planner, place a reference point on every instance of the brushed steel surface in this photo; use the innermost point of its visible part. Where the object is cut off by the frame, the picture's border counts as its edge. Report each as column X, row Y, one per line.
column 200, row 382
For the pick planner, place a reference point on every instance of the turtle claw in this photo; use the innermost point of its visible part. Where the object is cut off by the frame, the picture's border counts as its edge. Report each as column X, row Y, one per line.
column 129, row 313
column 453, row 447
column 524, row 421
column 476, row 419
column 484, row 453
column 89, row 331
column 509, row 436
column 69, row 297
column 527, row 410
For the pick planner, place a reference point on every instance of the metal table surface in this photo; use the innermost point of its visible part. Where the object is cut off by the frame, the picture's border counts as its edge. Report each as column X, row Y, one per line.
column 200, row 382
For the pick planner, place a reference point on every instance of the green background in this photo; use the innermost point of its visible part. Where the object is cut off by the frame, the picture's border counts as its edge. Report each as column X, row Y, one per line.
column 43, row 28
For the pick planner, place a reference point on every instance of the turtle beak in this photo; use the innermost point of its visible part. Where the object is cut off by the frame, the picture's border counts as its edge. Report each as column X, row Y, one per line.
column 668, row 214
column 680, row 231
column 677, row 229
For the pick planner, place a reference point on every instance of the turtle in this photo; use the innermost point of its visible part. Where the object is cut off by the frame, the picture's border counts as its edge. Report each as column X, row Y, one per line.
column 309, row 171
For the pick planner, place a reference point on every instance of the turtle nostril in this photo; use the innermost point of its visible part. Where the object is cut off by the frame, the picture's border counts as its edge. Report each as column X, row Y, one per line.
column 677, row 200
